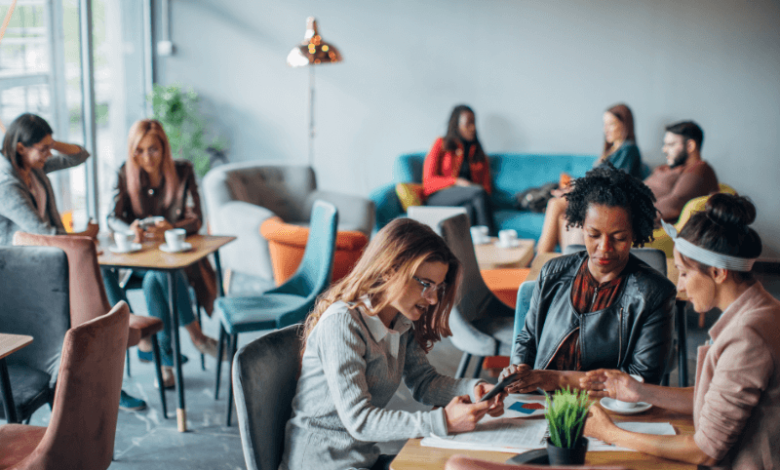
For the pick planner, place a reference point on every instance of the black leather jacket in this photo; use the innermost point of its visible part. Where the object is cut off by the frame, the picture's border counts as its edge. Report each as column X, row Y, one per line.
column 634, row 334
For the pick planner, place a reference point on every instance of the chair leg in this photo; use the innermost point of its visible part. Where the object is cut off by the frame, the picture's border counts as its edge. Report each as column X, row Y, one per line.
column 202, row 356
column 478, row 368
column 220, row 347
column 158, row 370
column 464, row 364
column 127, row 362
column 233, row 348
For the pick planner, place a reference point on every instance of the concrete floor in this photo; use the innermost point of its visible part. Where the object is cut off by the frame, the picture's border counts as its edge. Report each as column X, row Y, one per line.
column 146, row 441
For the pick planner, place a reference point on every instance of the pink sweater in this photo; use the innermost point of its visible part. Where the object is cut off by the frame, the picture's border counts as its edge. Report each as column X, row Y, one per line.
column 736, row 409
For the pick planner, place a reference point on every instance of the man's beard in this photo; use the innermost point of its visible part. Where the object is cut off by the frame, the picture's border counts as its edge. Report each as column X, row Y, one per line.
column 681, row 159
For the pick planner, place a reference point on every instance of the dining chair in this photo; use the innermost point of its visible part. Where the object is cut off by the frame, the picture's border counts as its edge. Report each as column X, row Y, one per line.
column 461, row 462
column 82, row 428
column 265, row 375
column 287, row 304
column 88, row 299
column 35, row 302
column 481, row 323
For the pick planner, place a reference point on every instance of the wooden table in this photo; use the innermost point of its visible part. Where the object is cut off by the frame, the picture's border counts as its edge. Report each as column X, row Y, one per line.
column 682, row 327
column 493, row 256
column 152, row 258
column 415, row 457
column 9, row 344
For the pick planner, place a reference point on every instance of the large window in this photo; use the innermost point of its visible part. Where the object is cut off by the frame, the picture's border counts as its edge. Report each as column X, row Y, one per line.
column 41, row 73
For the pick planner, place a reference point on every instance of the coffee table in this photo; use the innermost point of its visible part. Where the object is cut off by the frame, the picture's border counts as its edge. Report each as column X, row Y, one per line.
column 152, row 258
column 493, row 256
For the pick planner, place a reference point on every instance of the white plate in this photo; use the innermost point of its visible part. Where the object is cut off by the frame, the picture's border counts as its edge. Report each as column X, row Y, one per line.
column 514, row 244
column 133, row 248
column 184, row 247
column 609, row 403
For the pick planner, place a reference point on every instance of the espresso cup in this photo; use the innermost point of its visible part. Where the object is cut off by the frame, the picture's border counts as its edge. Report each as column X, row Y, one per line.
column 628, row 405
column 507, row 237
column 174, row 238
column 479, row 234
column 124, row 240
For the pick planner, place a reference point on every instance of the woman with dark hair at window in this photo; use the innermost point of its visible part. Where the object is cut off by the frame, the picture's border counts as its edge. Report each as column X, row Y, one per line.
column 620, row 151
column 26, row 196
column 457, row 172
column 734, row 401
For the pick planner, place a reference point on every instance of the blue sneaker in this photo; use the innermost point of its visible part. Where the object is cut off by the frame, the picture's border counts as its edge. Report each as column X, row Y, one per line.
column 130, row 403
column 167, row 359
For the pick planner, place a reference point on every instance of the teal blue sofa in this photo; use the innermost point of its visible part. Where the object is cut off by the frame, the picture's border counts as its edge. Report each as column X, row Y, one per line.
column 511, row 173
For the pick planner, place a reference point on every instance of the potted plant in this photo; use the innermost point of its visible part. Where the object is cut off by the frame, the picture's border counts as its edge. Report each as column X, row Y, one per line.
column 177, row 110
column 566, row 415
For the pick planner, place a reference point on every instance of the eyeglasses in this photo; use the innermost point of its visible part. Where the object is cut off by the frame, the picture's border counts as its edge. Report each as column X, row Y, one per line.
column 428, row 287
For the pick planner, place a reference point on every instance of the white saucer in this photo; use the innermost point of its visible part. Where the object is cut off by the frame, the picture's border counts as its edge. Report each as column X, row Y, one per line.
column 184, row 247
column 609, row 403
column 485, row 241
column 133, row 248
column 514, row 244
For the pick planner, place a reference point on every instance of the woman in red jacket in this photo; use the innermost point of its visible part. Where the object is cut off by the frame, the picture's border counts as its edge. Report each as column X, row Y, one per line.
column 457, row 171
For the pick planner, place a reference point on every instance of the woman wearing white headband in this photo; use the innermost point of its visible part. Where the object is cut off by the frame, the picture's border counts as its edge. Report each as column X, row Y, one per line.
column 735, row 400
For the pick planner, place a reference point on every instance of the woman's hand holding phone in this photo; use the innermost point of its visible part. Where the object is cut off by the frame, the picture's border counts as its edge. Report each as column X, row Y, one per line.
column 482, row 389
column 463, row 416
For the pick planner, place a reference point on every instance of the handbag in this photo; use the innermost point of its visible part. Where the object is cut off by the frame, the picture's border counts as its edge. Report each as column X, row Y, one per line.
column 535, row 199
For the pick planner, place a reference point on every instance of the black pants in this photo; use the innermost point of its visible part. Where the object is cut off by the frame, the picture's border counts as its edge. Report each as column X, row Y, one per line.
column 473, row 198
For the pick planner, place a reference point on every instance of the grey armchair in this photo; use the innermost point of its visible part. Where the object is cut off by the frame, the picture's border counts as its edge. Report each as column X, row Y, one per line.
column 265, row 374
column 34, row 292
column 481, row 324
column 241, row 196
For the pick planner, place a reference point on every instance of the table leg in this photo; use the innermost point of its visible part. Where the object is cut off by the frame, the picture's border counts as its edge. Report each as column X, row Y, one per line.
column 181, row 411
column 8, row 398
column 682, row 344
column 220, row 285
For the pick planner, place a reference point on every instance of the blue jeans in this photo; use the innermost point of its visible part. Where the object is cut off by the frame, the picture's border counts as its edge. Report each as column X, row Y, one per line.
column 155, row 287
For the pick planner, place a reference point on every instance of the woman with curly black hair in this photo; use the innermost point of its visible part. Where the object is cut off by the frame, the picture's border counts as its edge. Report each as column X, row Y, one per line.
column 602, row 307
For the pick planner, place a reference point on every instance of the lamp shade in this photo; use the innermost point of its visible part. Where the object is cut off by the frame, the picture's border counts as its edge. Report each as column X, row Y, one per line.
column 313, row 50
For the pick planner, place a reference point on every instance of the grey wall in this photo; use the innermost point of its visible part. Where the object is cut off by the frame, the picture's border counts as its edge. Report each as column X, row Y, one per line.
column 538, row 73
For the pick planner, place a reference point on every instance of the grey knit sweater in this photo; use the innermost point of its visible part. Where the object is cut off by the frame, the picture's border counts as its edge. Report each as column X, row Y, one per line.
column 351, row 368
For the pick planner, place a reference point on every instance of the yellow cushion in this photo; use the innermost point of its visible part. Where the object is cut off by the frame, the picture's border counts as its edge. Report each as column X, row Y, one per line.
column 410, row 194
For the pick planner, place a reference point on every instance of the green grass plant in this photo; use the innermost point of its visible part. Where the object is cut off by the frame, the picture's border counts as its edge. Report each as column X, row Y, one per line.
column 566, row 415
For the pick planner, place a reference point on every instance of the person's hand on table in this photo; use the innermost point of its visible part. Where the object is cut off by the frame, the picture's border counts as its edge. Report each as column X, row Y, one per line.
column 158, row 229
column 462, row 415
column 496, row 403
column 135, row 228
column 599, row 425
column 529, row 379
column 611, row 383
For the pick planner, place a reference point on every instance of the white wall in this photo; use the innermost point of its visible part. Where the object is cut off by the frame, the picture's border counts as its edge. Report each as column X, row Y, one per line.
column 539, row 74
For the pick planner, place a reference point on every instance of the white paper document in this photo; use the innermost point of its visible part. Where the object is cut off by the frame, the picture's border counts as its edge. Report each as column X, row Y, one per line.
column 519, row 435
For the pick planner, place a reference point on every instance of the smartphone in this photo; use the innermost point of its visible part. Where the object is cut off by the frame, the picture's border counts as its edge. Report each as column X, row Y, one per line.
column 499, row 387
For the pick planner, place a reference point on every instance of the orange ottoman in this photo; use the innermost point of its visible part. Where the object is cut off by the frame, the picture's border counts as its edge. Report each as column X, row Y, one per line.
column 287, row 242
column 505, row 282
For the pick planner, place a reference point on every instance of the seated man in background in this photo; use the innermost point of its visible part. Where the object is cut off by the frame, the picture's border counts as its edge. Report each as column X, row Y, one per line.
column 686, row 176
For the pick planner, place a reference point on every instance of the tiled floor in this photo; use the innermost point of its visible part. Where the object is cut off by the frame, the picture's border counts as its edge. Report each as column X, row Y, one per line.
column 146, row 441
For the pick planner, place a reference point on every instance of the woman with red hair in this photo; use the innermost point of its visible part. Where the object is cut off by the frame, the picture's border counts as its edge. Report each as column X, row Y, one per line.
column 620, row 151
column 152, row 184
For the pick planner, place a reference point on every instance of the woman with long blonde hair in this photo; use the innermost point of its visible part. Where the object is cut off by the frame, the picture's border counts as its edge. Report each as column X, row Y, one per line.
column 151, row 184
column 366, row 333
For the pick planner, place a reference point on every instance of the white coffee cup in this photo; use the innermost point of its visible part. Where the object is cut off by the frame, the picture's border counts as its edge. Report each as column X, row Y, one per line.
column 479, row 234
column 124, row 240
column 507, row 237
column 174, row 238
column 628, row 405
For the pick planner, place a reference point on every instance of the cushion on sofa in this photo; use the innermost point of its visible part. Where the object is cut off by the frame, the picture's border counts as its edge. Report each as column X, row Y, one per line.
column 410, row 194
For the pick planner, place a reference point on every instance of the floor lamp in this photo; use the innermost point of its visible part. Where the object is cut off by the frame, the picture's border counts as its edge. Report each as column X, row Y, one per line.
column 312, row 51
